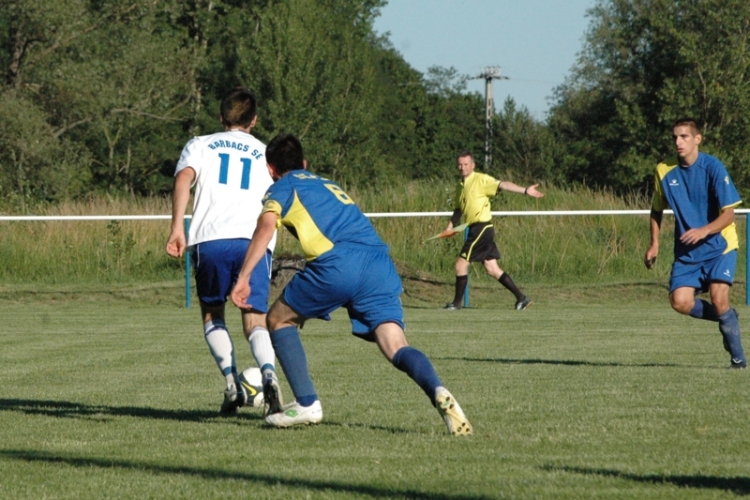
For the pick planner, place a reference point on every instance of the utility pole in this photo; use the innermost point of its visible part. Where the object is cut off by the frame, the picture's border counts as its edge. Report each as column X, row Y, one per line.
column 488, row 74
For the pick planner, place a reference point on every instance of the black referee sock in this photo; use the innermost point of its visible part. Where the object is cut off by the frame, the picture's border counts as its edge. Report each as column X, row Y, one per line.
column 508, row 283
column 461, row 282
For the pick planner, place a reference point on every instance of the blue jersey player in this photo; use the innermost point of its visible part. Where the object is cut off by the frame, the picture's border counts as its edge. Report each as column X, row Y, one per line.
column 703, row 197
column 348, row 265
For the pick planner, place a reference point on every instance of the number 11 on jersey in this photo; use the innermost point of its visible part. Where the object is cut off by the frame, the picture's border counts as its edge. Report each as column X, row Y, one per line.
column 224, row 170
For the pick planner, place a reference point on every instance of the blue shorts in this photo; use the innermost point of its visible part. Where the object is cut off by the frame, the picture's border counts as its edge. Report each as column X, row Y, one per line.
column 701, row 274
column 359, row 278
column 217, row 264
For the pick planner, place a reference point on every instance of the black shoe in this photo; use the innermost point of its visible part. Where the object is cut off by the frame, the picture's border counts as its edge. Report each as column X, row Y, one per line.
column 273, row 402
column 450, row 306
column 738, row 365
column 523, row 304
column 234, row 398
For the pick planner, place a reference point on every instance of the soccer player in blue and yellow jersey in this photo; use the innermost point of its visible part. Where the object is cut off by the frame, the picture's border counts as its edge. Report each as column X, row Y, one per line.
column 703, row 197
column 348, row 265
column 472, row 200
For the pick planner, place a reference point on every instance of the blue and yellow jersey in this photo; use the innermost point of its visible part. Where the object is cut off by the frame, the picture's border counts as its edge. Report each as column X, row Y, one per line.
column 697, row 194
column 473, row 197
column 318, row 213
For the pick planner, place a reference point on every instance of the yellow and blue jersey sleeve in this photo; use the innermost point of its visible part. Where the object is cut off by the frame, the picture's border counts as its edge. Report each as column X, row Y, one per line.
column 659, row 202
column 318, row 213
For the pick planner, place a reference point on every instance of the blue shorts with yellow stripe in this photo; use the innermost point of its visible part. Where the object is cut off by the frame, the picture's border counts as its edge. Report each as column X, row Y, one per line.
column 360, row 278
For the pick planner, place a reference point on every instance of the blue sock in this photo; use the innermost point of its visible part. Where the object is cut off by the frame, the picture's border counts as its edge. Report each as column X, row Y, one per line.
column 730, row 330
column 704, row 310
column 415, row 364
column 293, row 361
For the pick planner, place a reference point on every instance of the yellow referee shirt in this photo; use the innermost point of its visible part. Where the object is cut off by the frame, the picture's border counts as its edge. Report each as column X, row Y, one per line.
column 473, row 197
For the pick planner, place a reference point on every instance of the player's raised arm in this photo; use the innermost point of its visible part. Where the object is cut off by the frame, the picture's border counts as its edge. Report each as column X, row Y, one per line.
column 515, row 188
column 261, row 237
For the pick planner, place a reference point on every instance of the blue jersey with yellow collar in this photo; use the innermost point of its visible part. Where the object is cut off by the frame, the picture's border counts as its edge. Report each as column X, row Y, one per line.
column 319, row 214
column 697, row 194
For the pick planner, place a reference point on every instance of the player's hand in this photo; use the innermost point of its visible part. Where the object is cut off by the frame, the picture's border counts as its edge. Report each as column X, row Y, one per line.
column 240, row 293
column 533, row 192
column 650, row 258
column 694, row 236
column 176, row 245
column 448, row 233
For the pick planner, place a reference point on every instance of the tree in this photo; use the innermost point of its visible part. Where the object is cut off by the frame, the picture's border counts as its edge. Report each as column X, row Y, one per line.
column 523, row 146
column 646, row 63
column 97, row 75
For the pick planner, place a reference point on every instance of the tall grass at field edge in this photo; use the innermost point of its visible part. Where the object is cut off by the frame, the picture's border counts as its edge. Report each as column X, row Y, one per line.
column 562, row 250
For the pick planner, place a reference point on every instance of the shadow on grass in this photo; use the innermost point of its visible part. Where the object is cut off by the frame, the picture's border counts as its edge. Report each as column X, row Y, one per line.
column 563, row 362
column 218, row 474
column 67, row 409
column 737, row 485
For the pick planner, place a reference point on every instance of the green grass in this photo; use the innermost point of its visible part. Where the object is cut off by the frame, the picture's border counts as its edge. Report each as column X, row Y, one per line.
column 113, row 395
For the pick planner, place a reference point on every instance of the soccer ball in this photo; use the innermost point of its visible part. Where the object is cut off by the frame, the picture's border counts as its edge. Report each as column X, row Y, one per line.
column 252, row 381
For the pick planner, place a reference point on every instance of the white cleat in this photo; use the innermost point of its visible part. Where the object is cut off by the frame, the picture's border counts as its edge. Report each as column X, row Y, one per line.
column 454, row 417
column 295, row 414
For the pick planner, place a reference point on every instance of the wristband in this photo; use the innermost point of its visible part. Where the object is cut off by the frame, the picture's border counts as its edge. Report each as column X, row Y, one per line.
column 526, row 191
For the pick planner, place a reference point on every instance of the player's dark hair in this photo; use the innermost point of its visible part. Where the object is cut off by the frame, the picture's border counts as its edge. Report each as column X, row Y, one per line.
column 688, row 122
column 238, row 108
column 284, row 152
column 465, row 153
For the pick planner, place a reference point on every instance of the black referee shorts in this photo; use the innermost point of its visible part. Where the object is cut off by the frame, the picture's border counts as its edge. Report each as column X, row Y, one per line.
column 480, row 245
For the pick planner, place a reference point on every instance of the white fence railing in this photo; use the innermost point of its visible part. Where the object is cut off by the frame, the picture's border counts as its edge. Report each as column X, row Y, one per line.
column 529, row 213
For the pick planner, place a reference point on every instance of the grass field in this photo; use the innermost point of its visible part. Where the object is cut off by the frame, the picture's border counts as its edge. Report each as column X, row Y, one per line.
column 115, row 396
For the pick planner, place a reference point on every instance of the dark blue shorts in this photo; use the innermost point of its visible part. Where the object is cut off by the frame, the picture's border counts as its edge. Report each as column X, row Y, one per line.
column 217, row 265
column 699, row 275
column 359, row 278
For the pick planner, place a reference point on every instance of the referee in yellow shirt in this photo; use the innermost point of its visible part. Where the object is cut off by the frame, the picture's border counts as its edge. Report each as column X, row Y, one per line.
column 473, row 207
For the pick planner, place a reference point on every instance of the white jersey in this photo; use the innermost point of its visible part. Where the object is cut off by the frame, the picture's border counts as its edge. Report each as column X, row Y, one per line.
column 231, row 179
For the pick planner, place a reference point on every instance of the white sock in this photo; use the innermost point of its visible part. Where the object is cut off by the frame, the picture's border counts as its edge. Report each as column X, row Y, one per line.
column 262, row 349
column 221, row 347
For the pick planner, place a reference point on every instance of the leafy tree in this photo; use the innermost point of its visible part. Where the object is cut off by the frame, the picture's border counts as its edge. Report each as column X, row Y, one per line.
column 644, row 64
column 522, row 146
column 100, row 95
column 101, row 75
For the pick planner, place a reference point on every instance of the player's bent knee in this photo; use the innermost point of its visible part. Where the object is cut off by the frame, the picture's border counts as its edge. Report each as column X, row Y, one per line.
column 682, row 307
column 282, row 315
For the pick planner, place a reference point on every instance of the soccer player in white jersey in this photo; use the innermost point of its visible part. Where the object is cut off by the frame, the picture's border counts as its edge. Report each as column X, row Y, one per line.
column 228, row 170
column 700, row 191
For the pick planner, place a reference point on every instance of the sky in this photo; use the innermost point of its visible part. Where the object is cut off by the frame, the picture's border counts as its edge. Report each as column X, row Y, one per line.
column 535, row 42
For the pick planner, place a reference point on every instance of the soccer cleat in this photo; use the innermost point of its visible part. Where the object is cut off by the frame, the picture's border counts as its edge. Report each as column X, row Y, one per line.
column 272, row 400
column 454, row 417
column 523, row 304
column 233, row 399
column 450, row 306
column 738, row 364
column 295, row 414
